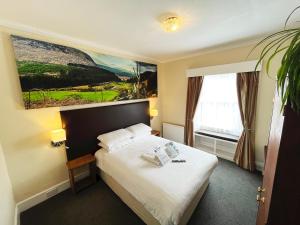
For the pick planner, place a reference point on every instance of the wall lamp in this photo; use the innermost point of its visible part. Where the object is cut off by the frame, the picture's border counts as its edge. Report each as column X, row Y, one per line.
column 153, row 113
column 58, row 137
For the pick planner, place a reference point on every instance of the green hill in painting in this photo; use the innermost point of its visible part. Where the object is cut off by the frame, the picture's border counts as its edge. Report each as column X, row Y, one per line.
column 36, row 75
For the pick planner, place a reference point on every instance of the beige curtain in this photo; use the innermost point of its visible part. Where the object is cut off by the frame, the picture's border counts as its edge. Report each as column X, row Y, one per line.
column 247, row 86
column 193, row 92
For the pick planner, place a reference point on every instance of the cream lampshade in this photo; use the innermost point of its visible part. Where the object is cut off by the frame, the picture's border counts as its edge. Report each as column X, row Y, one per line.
column 58, row 137
column 153, row 113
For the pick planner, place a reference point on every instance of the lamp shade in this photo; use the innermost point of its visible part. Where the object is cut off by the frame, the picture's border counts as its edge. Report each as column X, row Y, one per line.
column 153, row 112
column 58, row 135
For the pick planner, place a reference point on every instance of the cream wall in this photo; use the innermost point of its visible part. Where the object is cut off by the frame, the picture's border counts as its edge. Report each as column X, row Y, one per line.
column 33, row 165
column 174, row 89
column 7, row 202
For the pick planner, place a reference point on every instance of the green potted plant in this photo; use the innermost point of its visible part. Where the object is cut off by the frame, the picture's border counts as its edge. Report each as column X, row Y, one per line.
column 287, row 42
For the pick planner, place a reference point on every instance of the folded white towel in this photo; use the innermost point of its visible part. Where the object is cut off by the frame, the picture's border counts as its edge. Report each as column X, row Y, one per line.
column 151, row 158
column 162, row 156
column 158, row 157
column 171, row 150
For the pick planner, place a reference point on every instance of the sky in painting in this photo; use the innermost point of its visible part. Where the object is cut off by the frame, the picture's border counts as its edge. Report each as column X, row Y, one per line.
column 148, row 67
column 114, row 62
column 119, row 63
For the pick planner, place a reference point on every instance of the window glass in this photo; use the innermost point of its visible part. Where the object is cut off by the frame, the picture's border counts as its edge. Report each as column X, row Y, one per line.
column 218, row 109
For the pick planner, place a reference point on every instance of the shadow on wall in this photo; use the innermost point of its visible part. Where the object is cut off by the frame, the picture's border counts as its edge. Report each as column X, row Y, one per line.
column 9, row 60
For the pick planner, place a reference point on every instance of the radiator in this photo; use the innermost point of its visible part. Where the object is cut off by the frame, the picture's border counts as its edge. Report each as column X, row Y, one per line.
column 173, row 132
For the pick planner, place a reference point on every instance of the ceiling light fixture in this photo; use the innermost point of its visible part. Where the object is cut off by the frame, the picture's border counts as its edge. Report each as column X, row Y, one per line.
column 171, row 24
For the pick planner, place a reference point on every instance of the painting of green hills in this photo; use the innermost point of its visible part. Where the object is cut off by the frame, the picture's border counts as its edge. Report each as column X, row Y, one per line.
column 53, row 75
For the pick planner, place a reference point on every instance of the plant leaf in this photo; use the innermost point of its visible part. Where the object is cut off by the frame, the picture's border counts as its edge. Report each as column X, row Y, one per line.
column 288, row 18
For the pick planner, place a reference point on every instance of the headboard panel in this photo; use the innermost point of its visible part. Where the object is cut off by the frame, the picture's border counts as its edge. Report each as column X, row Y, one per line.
column 84, row 125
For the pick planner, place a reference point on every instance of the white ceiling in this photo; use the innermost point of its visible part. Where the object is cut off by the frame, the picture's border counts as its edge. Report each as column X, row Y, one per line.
column 132, row 26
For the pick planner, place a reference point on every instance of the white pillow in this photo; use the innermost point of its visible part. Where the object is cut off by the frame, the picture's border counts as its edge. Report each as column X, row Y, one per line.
column 114, row 137
column 115, row 146
column 139, row 129
column 103, row 145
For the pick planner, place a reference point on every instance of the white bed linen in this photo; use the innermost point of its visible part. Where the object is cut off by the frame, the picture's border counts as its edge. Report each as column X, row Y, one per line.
column 164, row 191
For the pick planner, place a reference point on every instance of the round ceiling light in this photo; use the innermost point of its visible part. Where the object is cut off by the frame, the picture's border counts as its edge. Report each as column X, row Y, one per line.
column 171, row 24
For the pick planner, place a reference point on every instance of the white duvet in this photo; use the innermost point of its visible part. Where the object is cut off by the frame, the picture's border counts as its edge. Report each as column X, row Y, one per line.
column 164, row 191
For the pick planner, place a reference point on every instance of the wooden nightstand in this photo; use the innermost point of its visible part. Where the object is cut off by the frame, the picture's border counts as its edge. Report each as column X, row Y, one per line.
column 155, row 133
column 82, row 161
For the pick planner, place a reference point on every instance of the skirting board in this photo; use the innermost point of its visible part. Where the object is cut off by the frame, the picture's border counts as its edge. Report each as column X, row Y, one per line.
column 17, row 216
column 43, row 196
column 260, row 166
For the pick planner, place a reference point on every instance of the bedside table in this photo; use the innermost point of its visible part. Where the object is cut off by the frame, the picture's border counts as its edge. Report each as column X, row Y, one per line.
column 155, row 133
column 79, row 162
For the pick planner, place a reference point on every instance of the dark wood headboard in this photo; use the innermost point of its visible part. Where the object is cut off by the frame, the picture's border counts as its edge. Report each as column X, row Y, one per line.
column 84, row 125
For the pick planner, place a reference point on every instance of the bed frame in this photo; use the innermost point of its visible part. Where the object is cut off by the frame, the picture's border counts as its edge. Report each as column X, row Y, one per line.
column 84, row 125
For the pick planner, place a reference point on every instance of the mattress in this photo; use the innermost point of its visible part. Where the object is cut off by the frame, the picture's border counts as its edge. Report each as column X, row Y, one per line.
column 165, row 192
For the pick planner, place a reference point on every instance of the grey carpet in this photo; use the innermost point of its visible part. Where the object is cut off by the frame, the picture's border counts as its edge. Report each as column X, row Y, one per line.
column 229, row 200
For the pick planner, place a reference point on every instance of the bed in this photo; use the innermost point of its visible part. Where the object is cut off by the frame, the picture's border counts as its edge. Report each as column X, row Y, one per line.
column 164, row 195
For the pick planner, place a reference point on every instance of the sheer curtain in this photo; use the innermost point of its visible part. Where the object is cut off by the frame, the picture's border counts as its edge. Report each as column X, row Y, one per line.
column 217, row 108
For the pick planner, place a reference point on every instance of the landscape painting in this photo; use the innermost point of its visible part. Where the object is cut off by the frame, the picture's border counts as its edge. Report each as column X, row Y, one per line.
column 56, row 75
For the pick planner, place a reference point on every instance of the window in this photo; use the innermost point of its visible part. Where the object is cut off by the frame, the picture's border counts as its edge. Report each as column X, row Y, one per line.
column 218, row 109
